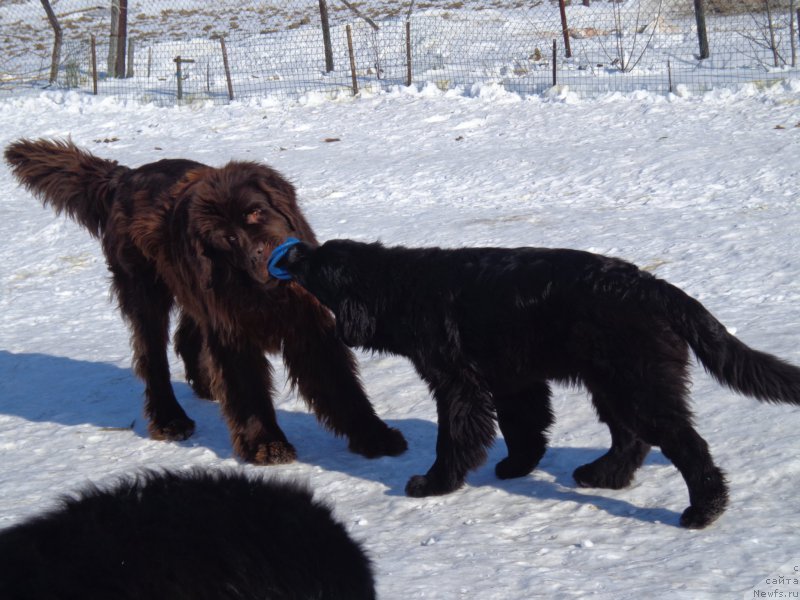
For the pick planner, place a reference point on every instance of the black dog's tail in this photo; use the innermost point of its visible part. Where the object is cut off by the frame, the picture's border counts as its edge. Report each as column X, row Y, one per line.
column 729, row 360
column 67, row 178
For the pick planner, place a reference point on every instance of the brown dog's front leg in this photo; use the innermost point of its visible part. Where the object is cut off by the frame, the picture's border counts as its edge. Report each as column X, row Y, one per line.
column 243, row 384
column 325, row 373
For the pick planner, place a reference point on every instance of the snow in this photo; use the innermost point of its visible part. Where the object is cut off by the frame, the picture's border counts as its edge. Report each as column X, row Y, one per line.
column 700, row 189
column 275, row 48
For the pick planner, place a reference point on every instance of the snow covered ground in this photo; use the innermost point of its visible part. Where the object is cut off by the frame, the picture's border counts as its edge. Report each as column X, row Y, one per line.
column 276, row 48
column 702, row 190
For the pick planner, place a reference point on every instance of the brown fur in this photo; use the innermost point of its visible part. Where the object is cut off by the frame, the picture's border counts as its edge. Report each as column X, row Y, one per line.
column 180, row 233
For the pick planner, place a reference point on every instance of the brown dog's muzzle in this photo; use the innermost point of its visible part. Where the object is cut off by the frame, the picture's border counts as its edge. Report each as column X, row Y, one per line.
column 258, row 263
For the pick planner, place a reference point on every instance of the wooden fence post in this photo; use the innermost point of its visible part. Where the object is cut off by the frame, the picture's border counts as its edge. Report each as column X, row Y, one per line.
column 702, row 33
column 408, row 54
column 55, row 59
column 564, row 27
column 179, row 73
column 131, row 47
column 326, row 35
column 792, row 32
column 227, row 67
column 122, row 39
column 111, row 62
column 94, row 64
column 794, row 61
column 352, row 59
column 669, row 75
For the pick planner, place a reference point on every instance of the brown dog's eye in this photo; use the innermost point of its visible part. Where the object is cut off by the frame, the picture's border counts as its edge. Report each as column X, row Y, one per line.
column 232, row 239
column 253, row 216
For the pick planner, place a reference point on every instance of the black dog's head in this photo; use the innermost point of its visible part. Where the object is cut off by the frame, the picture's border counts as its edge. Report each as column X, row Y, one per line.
column 337, row 274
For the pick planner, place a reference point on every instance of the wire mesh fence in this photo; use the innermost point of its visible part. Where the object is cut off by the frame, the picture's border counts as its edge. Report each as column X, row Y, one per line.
column 186, row 50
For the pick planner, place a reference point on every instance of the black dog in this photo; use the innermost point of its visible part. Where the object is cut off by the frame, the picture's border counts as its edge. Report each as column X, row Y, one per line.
column 487, row 328
column 190, row 536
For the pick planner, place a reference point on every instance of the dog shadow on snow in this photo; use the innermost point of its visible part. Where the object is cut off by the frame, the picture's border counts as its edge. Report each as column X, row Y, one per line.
column 70, row 392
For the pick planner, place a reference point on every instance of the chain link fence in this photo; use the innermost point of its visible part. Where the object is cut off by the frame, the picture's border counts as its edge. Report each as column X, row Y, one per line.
column 190, row 50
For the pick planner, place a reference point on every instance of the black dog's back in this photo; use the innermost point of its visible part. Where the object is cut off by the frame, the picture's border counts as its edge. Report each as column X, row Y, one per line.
column 192, row 536
column 490, row 328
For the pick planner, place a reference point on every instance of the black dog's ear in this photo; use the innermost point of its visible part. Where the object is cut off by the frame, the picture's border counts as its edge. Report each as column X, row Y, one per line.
column 354, row 324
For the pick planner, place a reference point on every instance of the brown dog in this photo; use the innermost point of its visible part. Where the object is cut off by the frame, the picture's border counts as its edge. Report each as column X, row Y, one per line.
column 177, row 232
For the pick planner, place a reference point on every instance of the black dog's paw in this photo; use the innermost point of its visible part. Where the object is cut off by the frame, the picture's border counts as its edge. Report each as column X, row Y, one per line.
column 509, row 468
column 594, row 475
column 420, row 486
column 712, row 504
column 385, row 441
column 697, row 518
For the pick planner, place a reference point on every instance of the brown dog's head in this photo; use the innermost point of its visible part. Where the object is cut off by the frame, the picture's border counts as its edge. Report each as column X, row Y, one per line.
column 236, row 215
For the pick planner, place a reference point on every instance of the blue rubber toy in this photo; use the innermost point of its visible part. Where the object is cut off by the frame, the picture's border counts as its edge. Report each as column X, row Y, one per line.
column 276, row 255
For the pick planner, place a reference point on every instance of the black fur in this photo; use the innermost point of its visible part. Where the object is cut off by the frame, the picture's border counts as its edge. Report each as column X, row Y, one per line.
column 185, row 536
column 488, row 328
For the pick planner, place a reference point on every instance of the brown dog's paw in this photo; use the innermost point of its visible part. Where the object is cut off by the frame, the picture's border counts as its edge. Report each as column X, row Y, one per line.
column 270, row 453
column 175, row 430
column 386, row 441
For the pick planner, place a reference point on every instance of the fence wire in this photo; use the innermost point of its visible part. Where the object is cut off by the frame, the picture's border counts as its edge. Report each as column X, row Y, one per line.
column 190, row 50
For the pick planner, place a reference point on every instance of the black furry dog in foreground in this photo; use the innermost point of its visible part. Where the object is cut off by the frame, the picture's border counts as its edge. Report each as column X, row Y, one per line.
column 488, row 328
column 185, row 536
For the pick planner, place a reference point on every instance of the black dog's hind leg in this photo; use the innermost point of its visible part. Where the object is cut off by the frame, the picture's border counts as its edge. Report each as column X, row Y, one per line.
column 466, row 430
column 191, row 347
column 661, row 417
column 524, row 418
column 615, row 469
column 658, row 415
column 708, row 492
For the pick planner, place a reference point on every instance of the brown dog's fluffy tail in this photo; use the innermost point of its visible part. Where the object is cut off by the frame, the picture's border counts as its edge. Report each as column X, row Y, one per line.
column 67, row 178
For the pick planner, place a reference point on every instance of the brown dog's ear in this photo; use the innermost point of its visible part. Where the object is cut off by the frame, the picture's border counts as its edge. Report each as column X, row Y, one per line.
column 204, row 271
column 283, row 198
column 354, row 324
